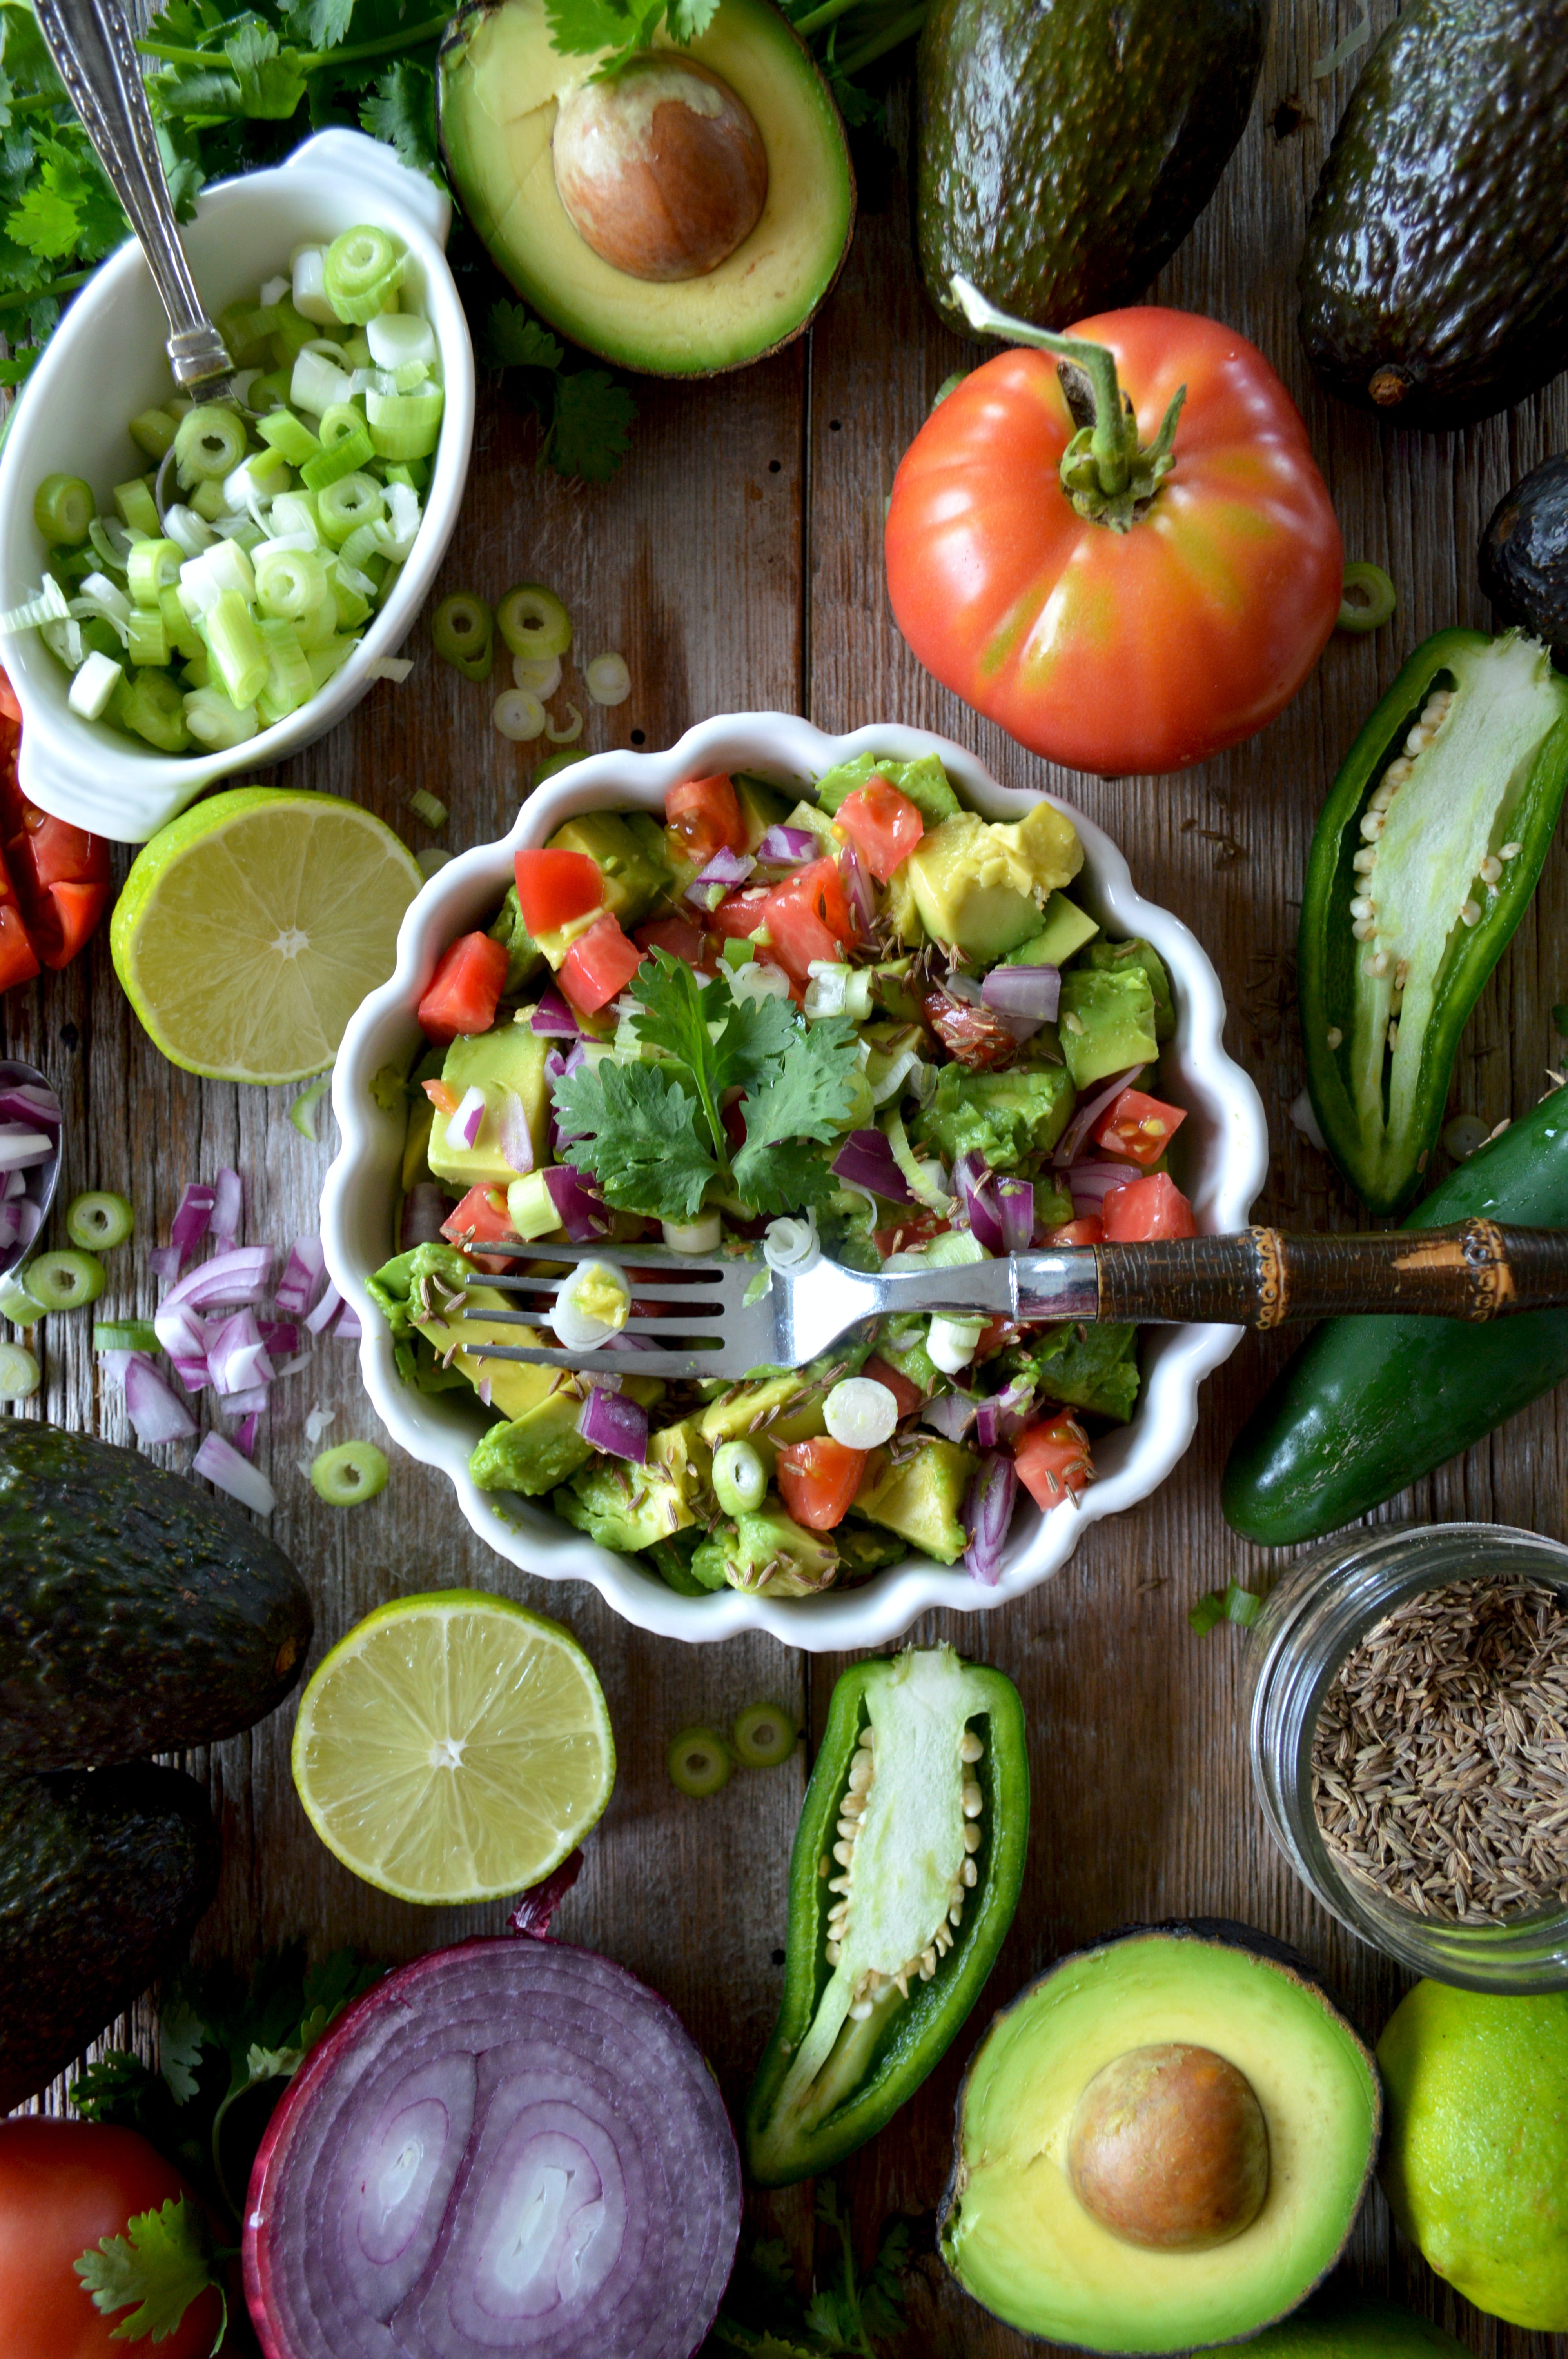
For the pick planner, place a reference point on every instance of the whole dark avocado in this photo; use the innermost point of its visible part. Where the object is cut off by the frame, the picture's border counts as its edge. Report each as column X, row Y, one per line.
column 137, row 1613
column 1063, row 152
column 1434, row 280
column 103, row 1875
column 1524, row 556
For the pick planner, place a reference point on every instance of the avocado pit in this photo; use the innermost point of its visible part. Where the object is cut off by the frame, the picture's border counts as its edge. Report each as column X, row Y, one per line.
column 1169, row 2150
column 661, row 167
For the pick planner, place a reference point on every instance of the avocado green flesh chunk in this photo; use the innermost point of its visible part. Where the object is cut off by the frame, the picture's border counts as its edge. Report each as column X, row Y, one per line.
column 622, row 1506
column 631, row 862
column 510, row 1058
column 1092, row 1366
column 532, row 1452
column 500, row 82
column 523, row 952
column 980, row 885
column 923, row 1499
column 1107, row 1023
column 923, row 782
column 1004, row 1116
column 1116, row 958
column 1342, row 2324
column 137, row 1613
column 1065, row 928
column 768, row 1555
column 104, row 1876
column 1014, row 2232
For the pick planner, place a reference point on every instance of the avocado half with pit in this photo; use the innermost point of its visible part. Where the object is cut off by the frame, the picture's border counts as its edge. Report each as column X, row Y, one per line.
column 1161, row 2144
column 686, row 214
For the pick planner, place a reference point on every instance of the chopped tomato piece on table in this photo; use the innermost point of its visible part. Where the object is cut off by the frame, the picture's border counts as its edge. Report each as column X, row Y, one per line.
column 1138, row 1128
column 465, row 990
column 808, row 918
column 884, row 825
column 1086, row 1231
column 703, row 815
column 599, row 965
column 555, row 887
column 817, row 1479
column 1142, row 1209
column 904, row 1390
column 1051, row 1459
column 19, row 960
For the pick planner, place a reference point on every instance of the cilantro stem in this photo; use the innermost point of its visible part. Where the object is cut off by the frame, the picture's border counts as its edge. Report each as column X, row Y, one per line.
column 66, row 286
column 307, row 61
column 828, row 13
column 878, row 45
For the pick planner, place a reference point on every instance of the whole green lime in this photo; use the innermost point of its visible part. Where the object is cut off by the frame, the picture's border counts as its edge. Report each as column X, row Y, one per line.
column 1476, row 2163
column 1348, row 2325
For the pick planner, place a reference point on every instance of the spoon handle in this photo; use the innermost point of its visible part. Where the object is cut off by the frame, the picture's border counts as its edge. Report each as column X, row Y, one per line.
column 90, row 43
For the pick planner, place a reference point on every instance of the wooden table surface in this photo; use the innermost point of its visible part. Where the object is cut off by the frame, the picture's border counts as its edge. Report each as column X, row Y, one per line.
column 736, row 561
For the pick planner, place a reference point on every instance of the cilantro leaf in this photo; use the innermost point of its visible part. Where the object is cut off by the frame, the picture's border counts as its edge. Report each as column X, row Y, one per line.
column 161, row 2264
column 590, row 432
column 402, row 111
column 579, row 28
column 180, row 2034
column 114, row 2087
column 687, row 18
column 44, row 222
column 321, row 24
column 808, row 1098
column 270, row 83
column 510, row 339
column 640, row 1138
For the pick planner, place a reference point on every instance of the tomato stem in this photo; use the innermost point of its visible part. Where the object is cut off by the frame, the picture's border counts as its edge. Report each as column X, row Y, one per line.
column 1108, row 475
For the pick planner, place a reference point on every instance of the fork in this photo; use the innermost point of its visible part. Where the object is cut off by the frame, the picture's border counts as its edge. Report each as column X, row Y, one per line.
column 701, row 1315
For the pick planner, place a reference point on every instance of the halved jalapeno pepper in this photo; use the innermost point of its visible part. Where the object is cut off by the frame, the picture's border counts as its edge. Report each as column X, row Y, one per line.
column 907, row 1865
column 1427, row 851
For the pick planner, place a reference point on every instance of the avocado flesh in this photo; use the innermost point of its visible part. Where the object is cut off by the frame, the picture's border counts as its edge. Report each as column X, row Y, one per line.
column 1112, row 1026
column 1017, row 2237
column 634, row 872
column 500, row 83
column 923, row 1500
column 1005, row 1116
column 1063, row 153
column 1065, row 928
column 510, row 1058
column 1435, row 277
column 980, row 885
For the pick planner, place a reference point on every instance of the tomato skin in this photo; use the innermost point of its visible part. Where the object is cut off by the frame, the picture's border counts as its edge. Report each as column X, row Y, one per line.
column 555, row 887
column 476, row 1219
column 817, row 1479
column 1115, row 652
column 599, row 965
column 54, row 878
column 1086, row 1231
column 1125, row 1131
column 64, row 2186
column 464, row 991
column 682, row 940
column 884, row 825
column 19, row 960
column 703, row 816
column 904, row 1390
column 1051, row 1459
column 808, row 918
column 1143, row 1209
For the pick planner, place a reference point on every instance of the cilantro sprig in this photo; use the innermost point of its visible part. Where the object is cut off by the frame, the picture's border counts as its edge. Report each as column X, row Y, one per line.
column 164, row 2262
column 849, row 2315
column 652, row 1131
column 587, row 414
column 845, row 36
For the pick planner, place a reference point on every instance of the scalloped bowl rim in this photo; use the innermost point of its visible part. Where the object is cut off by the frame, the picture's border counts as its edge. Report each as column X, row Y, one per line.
column 1224, row 1106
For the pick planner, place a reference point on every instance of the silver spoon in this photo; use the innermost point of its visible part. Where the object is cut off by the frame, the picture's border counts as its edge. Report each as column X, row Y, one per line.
column 92, row 45
column 42, row 1179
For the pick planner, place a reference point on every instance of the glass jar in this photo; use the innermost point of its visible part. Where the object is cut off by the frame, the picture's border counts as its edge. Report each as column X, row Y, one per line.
column 1321, row 1609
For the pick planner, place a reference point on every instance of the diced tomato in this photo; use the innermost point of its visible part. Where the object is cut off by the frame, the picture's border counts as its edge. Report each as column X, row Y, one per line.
column 479, row 1215
column 599, row 965
column 1142, row 1209
column 884, row 825
column 442, row 1096
column 554, row 888
column 738, row 914
column 808, row 918
column 704, row 817
column 1089, row 1231
column 673, row 934
column 61, row 854
column 1051, row 1459
column 1138, row 1128
column 463, row 992
column 8, row 705
column 54, row 878
column 64, row 918
column 817, row 1479
column 18, row 961
column 904, row 1390
column 916, row 1228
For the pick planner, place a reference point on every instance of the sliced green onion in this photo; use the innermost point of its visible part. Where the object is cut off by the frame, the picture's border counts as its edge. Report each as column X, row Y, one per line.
column 922, row 1186
column 405, row 426
column 1368, row 598
column 362, row 268
column 429, row 808
column 234, row 647
column 93, row 686
column 217, row 724
column 210, row 443
column 764, row 1736
column 607, row 680
column 462, row 631
column 431, row 858
column 340, row 419
column 19, row 1372
column 153, row 431
column 17, row 1304
column 736, row 954
column 352, row 1472
column 1231, row 1603
column 570, row 727
column 124, row 1335
column 698, row 1762
column 543, row 677
column 152, row 567
column 347, row 502
column 302, row 1113
column 349, row 608
column 554, row 762
column 308, row 289
column 153, row 707
column 325, row 661
column 317, row 384
column 396, row 339
column 147, row 636
column 740, row 1478
column 64, row 507
column 51, row 605
column 138, row 507
column 289, row 683
column 290, row 583
column 518, row 714
column 533, row 622
column 182, row 633
column 354, row 452
column 288, row 436
column 65, row 1281
column 207, row 502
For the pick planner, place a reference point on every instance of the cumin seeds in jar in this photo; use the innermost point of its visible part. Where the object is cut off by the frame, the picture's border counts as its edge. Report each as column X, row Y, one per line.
column 1439, row 1758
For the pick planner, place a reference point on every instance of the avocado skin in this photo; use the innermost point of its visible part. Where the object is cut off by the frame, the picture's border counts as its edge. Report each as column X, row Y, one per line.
column 103, row 1875
column 1524, row 556
column 1437, row 247
column 138, row 1614
column 1340, row 2323
column 1064, row 151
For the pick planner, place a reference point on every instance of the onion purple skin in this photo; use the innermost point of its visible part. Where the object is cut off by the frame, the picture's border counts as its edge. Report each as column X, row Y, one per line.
column 681, row 2180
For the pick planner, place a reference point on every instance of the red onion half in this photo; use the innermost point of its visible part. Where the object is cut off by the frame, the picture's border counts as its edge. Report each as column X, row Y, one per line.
column 513, row 2146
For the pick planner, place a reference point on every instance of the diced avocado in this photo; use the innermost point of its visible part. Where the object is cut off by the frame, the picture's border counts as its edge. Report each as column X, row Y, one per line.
column 1064, row 929
column 416, row 1141
column 510, row 1058
column 817, row 823
column 862, row 1550
column 399, row 1284
column 532, row 1452
column 515, row 1385
column 674, row 1561
column 1107, row 1023
column 924, row 781
column 523, row 952
column 741, row 1416
column 680, row 1452
column 981, row 887
column 902, row 1344
column 1116, row 958
column 1053, row 1203
column 893, row 992
column 1004, row 1116
column 1092, row 1366
column 636, row 871
column 770, row 1555
column 900, row 907
column 923, row 1499
column 762, row 806
column 622, row 1506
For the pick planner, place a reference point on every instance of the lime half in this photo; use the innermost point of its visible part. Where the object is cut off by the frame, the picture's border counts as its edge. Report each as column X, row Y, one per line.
column 251, row 927
column 453, row 1747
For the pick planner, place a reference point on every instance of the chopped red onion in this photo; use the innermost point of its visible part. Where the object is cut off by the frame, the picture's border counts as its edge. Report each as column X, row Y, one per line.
column 228, row 1281
column 236, row 1357
column 304, row 1271
column 222, row 1464
column 326, row 1310
column 1033, row 991
column 1091, row 1183
column 249, row 1403
column 191, row 1223
column 975, row 1181
column 963, row 987
column 987, row 1511
column 228, row 1210
column 1015, row 1212
column 193, row 1372
column 788, row 847
column 280, row 1336
column 348, row 1328
column 13, row 1184
column 866, row 1160
column 166, row 1261
column 553, row 1019
column 25, row 1101
column 291, row 1367
column 950, row 1414
column 577, row 1202
column 29, row 1220
column 612, row 1422
column 861, row 892
column 1086, row 1114
column 513, row 1134
column 10, row 1223
column 425, row 1208
column 245, row 1439
column 987, row 1422
column 155, row 1413
column 482, row 1389
column 114, row 1364
column 512, row 2146
column 464, row 1126
column 23, row 1147
column 178, row 1329
column 724, row 871
column 538, row 1905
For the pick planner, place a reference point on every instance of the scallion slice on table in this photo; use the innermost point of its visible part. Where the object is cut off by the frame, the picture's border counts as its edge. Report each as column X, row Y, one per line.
column 607, row 680
column 1369, row 599
column 518, row 714
column 302, row 1113
column 19, row 1372
column 533, row 622
column 462, row 631
column 428, row 807
column 698, row 1762
column 97, row 1220
column 65, row 1281
column 762, row 1736
column 352, row 1472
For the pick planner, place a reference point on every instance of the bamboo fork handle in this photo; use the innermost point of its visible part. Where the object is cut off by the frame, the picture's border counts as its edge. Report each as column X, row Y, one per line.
column 1261, row 1278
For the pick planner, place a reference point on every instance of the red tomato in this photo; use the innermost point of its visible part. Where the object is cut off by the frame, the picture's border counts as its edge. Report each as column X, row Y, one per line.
column 463, row 992
column 808, row 918
column 817, row 1480
column 681, row 940
column 1138, row 1128
column 9, row 707
column 64, row 2186
column 1089, row 1231
column 738, row 914
column 64, row 917
column 598, row 964
column 19, row 960
column 916, row 1228
column 704, row 817
column 1141, row 1209
column 555, row 887
column 1119, row 651
column 1053, row 1459
column 479, row 1216
column 906, row 1392
column 884, row 825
